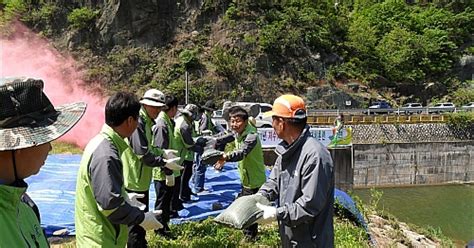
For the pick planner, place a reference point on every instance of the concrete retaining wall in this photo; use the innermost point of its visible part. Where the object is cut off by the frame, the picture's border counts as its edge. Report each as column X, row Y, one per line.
column 413, row 163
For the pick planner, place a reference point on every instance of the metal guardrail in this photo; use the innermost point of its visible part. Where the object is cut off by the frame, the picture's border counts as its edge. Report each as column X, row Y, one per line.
column 376, row 119
column 359, row 119
column 395, row 111
column 372, row 116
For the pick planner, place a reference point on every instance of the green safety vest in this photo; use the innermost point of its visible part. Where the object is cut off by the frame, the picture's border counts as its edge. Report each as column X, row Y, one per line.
column 19, row 225
column 183, row 149
column 93, row 229
column 137, row 176
column 252, row 167
column 210, row 125
column 158, row 174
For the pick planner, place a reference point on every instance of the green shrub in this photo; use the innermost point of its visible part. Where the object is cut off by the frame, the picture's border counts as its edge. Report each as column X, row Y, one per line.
column 11, row 9
column 189, row 58
column 231, row 13
column 44, row 14
column 82, row 18
column 45, row 17
column 463, row 95
column 346, row 234
column 249, row 39
column 225, row 63
column 14, row 8
column 461, row 120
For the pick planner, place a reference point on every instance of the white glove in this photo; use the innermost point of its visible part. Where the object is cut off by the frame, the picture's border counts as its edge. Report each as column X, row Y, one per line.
column 169, row 153
column 172, row 165
column 206, row 132
column 269, row 213
column 150, row 222
column 132, row 199
column 169, row 181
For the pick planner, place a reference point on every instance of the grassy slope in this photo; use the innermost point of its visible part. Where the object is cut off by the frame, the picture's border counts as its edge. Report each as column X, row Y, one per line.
column 60, row 147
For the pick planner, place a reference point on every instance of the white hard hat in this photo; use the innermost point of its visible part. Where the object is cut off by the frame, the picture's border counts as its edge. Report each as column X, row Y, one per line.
column 153, row 97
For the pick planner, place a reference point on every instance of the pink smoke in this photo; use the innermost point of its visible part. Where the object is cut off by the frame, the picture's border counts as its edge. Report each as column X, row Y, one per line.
column 26, row 54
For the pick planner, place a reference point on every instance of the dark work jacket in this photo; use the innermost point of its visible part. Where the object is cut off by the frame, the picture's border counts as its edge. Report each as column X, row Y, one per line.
column 302, row 181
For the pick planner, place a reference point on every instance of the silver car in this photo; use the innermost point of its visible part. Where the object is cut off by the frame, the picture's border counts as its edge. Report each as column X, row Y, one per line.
column 468, row 107
column 411, row 108
column 442, row 107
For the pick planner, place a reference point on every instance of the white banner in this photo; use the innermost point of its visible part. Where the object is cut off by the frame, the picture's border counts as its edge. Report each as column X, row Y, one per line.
column 269, row 138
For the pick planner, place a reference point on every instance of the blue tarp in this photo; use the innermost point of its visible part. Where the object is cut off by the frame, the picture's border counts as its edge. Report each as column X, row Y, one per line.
column 53, row 190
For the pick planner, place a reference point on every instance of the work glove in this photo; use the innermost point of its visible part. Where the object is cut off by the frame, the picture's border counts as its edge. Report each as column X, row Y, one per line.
column 170, row 153
column 132, row 199
column 206, row 132
column 269, row 214
column 150, row 222
column 172, row 165
column 169, row 180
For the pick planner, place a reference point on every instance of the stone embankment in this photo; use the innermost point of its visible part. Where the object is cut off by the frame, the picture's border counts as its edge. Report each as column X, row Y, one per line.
column 389, row 233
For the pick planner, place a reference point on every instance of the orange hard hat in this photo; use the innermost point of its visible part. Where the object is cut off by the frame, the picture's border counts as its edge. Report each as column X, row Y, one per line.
column 288, row 106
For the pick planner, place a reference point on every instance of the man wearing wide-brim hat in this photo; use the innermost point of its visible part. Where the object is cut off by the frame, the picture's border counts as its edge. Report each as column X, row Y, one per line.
column 28, row 124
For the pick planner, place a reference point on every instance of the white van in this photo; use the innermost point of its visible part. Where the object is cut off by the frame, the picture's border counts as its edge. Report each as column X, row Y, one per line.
column 261, row 121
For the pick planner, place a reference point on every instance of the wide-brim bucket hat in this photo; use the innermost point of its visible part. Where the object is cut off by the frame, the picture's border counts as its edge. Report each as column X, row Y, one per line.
column 154, row 98
column 27, row 117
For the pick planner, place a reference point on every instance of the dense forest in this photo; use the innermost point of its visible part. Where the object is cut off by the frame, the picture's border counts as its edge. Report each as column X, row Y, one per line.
column 330, row 52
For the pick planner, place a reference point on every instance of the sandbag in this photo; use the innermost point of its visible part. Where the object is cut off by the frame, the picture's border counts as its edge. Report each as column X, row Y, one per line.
column 243, row 212
column 211, row 156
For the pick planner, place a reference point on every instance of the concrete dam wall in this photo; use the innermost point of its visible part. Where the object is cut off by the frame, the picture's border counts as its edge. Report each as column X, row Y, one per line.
column 413, row 163
column 412, row 154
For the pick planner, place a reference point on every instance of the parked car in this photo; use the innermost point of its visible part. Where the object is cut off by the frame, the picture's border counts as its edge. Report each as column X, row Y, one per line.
column 379, row 107
column 468, row 107
column 217, row 114
column 442, row 107
column 257, row 108
column 410, row 108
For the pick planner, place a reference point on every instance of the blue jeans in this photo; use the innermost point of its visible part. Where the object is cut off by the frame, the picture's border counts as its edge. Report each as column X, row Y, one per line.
column 199, row 174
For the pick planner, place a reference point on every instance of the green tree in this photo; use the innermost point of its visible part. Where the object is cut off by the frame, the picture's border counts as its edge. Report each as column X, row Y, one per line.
column 399, row 51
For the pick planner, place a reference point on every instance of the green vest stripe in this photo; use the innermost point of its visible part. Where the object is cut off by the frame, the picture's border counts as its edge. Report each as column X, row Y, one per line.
column 137, row 176
column 183, row 149
column 252, row 167
column 158, row 174
column 93, row 229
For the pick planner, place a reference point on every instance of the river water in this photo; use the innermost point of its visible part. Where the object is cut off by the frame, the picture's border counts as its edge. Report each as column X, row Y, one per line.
column 449, row 207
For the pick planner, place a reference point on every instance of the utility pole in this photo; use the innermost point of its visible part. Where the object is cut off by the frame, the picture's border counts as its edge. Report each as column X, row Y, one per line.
column 186, row 87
